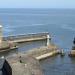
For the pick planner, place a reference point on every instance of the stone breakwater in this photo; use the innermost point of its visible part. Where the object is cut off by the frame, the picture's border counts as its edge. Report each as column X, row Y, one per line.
column 24, row 65
column 27, row 63
column 11, row 42
column 27, row 38
column 43, row 52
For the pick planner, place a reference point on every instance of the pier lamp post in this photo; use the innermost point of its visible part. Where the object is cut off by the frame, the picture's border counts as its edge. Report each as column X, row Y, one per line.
column 0, row 35
column 48, row 37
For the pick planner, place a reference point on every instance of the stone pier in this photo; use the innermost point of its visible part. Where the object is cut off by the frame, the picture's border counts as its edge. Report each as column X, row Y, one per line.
column 24, row 65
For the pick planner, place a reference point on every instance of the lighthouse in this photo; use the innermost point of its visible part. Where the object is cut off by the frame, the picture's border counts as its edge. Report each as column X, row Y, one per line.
column 48, row 37
column 0, row 35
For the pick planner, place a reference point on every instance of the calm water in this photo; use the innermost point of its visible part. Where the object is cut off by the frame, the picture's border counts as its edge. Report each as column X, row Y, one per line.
column 58, row 65
column 60, row 23
column 23, row 47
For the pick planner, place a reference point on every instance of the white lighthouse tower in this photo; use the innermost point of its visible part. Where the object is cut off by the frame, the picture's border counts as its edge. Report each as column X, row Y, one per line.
column 48, row 37
column 1, row 34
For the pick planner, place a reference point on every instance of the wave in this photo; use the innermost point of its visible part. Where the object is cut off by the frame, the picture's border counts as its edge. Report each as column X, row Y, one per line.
column 7, row 29
column 18, row 26
column 37, row 25
column 68, row 27
column 25, row 14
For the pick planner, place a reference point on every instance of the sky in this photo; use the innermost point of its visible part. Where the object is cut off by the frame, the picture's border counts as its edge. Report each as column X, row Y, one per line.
column 37, row 3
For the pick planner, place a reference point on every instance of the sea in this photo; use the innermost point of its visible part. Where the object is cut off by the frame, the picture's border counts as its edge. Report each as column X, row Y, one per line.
column 60, row 23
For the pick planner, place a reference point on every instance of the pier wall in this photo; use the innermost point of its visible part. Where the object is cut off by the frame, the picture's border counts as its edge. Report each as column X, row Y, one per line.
column 27, row 63
column 43, row 52
column 28, row 37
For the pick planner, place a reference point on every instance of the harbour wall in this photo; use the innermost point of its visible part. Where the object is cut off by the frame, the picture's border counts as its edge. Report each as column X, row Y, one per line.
column 28, row 37
column 13, row 41
column 28, row 63
column 43, row 52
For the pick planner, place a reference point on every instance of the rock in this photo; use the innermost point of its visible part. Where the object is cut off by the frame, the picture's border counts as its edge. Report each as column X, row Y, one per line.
column 5, row 68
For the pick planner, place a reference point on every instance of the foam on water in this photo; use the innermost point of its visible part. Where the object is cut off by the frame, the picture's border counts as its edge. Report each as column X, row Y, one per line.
column 68, row 27
column 28, row 25
column 7, row 28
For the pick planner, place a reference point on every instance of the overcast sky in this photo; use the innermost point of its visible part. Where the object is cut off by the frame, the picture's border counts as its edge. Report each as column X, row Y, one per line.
column 37, row 3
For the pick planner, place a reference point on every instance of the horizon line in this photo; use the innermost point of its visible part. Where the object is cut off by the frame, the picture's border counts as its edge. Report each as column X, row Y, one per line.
column 33, row 8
